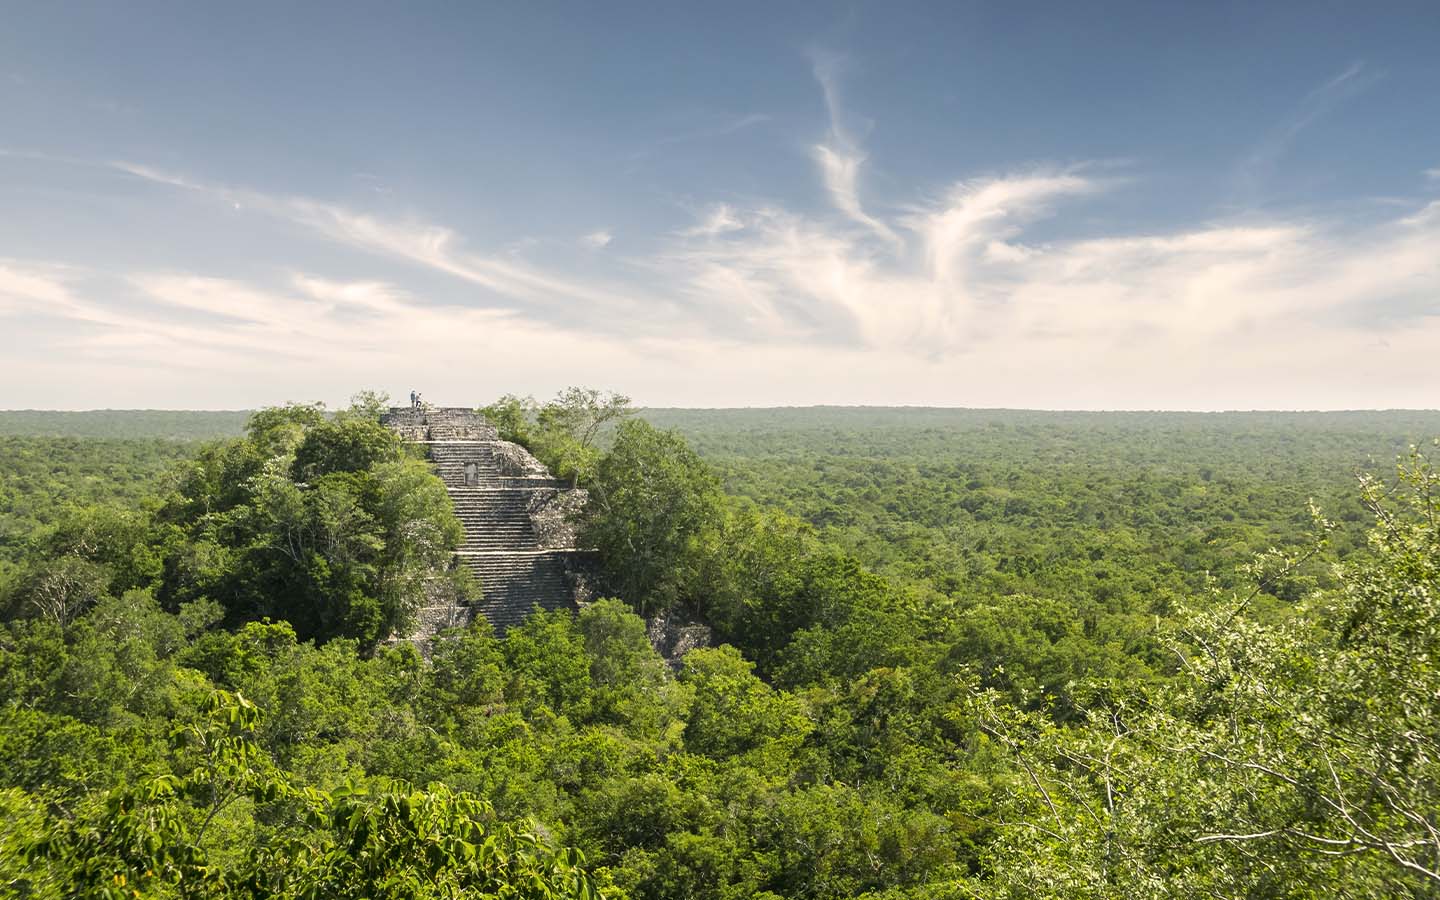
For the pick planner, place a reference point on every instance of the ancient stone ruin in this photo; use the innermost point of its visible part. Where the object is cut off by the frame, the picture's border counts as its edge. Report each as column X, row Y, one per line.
column 519, row 538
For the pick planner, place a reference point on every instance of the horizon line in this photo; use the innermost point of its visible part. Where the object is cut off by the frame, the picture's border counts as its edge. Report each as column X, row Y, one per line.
column 810, row 406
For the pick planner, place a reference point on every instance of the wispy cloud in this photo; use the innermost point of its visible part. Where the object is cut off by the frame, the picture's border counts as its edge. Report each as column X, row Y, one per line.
column 511, row 281
column 957, row 274
column 717, row 127
column 783, row 307
column 779, row 306
column 225, row 324
column 710, row 127
column 101, row 312
column 597, row 240
column 1260, row 163
column 720, row 219
column 968, row 283
column 33, row 288
column 839, row 156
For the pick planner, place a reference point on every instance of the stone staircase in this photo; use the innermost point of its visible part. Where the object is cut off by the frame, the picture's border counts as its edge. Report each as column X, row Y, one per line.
column 518, row 542
column 495, row 519
column 514, row 584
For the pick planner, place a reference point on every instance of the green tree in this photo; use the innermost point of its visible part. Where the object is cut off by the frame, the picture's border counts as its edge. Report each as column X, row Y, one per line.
column 632, row 686
column 568, row 428
column 328, row 524
column 736, row 715
column 513, row 417
column 564, row 433
column 549, row 666
column 349, row 444
column 653, row 505
column 57, row 589
column 369, row 405
column 777, row 579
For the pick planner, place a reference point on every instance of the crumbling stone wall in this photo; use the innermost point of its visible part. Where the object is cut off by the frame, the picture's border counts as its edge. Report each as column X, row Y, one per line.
column 555, row 514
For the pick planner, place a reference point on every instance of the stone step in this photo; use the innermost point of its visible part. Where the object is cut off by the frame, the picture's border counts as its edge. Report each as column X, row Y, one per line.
column 457, row 463
column 515, row 518
column 460, row 449
column 492, row 520
column 522, row 489
column 508, row 483
column 490, row 490
column 518, row 484
column 460, row 433
column 501, row 504
column 506, row 545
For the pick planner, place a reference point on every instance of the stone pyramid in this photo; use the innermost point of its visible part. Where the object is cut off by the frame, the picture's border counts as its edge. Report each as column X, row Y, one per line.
column 519, row 540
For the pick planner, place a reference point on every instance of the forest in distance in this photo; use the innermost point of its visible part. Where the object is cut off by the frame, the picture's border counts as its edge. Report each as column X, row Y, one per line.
column 957, row 653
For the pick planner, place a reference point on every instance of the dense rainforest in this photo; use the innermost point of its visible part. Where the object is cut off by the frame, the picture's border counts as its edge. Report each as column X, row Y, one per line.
column 957, row 653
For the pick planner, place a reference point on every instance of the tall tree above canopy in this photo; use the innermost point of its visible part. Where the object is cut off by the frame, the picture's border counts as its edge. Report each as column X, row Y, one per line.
column 566, row 432
column 653, row 503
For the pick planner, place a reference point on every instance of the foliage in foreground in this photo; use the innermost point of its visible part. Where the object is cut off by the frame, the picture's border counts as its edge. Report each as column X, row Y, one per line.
column 389, row 843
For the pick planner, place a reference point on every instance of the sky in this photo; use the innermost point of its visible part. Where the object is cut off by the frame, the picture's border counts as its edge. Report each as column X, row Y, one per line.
column 1041, row 205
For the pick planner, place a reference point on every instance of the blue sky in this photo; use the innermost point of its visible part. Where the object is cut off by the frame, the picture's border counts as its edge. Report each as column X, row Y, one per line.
column 1149, row 205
